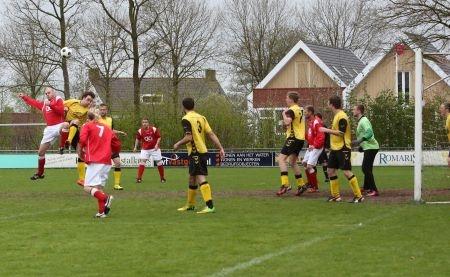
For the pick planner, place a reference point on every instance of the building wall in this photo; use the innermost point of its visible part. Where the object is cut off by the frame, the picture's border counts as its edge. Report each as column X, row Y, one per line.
column 383, row 77
column 301, row 72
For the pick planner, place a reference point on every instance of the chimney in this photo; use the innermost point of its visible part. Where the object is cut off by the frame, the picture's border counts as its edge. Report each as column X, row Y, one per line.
column 210, row 75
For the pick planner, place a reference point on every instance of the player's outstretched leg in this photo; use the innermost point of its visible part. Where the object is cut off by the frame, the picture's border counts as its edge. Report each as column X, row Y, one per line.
column 205, row 189
column 41, row 161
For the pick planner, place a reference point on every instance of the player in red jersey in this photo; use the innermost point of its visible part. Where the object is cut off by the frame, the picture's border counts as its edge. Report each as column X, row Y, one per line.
column 53, row 110
column 149, row 138
column 316, row 142
column 98, row 142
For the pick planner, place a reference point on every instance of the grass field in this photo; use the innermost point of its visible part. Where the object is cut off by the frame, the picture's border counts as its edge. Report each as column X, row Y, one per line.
column 47, row 228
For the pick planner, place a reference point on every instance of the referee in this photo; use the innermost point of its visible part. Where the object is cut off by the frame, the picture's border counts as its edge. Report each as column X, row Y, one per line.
column 369, row 145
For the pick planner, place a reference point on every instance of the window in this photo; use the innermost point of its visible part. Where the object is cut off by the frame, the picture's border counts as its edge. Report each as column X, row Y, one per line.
column 152, row 98
column 403, row 86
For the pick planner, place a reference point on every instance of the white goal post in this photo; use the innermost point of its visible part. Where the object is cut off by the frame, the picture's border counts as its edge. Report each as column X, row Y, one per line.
column 418, row 107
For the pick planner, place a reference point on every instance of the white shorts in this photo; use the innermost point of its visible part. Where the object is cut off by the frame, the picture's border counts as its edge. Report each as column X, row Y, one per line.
column 154, row 153
column 96, row 175
column 51, row 133
column 312, row 156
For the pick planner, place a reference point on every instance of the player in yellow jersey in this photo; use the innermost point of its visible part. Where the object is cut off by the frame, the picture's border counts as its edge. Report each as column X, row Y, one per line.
column 445, row 112
column 340, row 154
column 294, row 121
column 108, row 121
column 196, row 128
column 76, row 114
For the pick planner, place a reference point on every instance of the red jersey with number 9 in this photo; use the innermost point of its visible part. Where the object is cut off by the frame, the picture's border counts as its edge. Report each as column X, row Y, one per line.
column 98, row 143
column 148, row 137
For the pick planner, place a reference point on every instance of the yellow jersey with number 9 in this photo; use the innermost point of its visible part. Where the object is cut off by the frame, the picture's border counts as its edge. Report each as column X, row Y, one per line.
column 196, row 125
column 107, row 120
column 297, row 127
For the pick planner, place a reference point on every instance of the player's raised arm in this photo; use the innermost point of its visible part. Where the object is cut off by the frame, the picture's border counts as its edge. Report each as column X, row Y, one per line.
column 288, row 116
column 31, row 102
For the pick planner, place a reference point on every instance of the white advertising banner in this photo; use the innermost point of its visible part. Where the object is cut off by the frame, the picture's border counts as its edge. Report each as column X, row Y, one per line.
column 403, row 158
column 70, row 160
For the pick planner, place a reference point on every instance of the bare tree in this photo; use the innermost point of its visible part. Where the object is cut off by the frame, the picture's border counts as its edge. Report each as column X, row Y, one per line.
column 186, row 29
column 428, row 18
column 350, row 24
column 57, row 21
column 103, row 49
column 142, row 18
column 25, row 52
column 258, row 33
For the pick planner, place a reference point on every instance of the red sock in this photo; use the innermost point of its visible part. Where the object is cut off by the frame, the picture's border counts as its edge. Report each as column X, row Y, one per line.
column 41, row 164
column 308, row 177
column 63, row 137
column 101, row 197
column 161, row 171
column 140, row 171
column 313, row 177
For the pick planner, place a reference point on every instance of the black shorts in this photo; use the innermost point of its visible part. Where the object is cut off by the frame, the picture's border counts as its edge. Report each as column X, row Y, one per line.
column 323, row 158
column 198, row 164
column 340, row 159
column 115, row 155
column 292, row 146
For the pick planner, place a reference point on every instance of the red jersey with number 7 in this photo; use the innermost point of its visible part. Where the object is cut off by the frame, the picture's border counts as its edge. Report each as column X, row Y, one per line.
column 98, row 143
column 148, row 137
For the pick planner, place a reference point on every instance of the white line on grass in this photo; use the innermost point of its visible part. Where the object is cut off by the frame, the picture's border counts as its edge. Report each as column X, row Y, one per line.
column 37, row 213
column 289, row 249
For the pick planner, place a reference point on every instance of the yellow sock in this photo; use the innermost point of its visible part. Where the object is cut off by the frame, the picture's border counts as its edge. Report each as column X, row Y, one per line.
column 284, row 179
column 81, row 170
column 353, row 181
column 334, row 186
column 117, row 176
column 300, row 181
column 72, row 132
column 191, row 196
column 206, row 192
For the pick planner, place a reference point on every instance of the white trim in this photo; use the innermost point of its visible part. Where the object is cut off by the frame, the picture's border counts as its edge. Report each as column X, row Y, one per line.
column 441, row 73
column 300, row 46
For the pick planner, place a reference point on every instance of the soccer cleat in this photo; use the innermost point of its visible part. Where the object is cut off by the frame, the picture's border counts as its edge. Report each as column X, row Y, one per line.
column 313, row 190
column 163, row 180
column 80, row 182
column 372, row 193
column 356, row 199
column 138, row 180
column 108, row 204
column 61, row 150
column 117, row 187
column 186, row 208
column 334, row 199
column 301, row 190
column 37, row 176
column 207, row 210
column 100, row 215
column 283, row 190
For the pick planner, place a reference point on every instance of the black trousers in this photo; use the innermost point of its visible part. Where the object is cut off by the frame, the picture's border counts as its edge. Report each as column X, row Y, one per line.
column 367, row 168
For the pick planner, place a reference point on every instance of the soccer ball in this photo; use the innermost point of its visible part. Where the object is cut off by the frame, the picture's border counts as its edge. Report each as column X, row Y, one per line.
column 66, row 52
